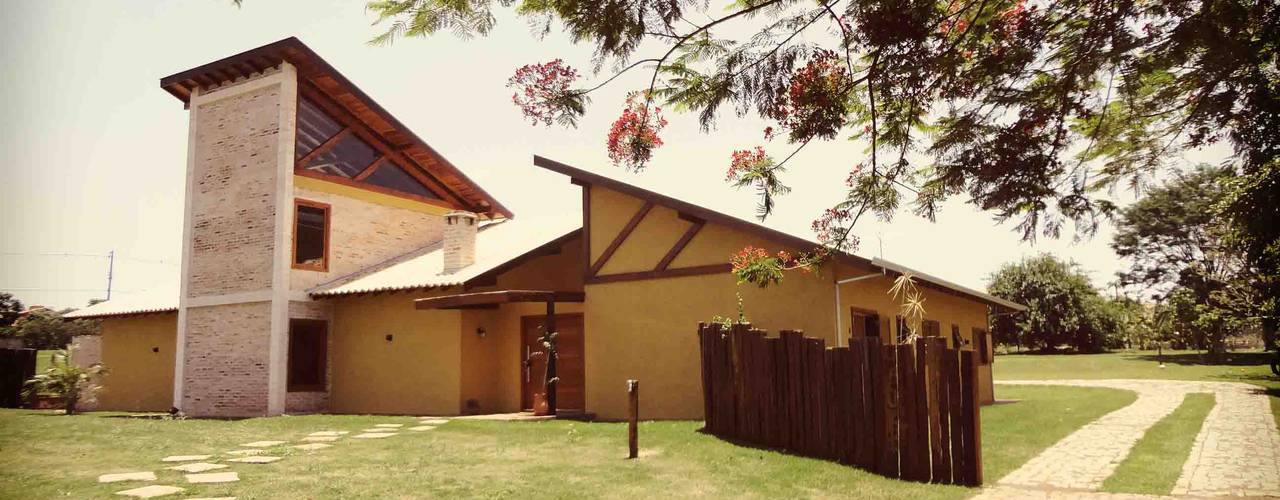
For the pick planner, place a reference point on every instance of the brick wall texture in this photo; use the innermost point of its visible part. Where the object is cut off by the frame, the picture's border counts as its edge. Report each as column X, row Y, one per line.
column 362, row 234
column 233, row 202
column 227, row 356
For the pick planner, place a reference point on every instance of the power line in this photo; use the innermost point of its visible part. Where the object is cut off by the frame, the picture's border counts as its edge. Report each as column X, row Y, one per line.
column 92, row 255
column 64, row 290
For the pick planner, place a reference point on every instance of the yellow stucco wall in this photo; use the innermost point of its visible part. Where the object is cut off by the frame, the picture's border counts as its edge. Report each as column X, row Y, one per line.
column 647, row 329
column 417, row 372
column 138, row 379
column 491, row 366
column 437, row 363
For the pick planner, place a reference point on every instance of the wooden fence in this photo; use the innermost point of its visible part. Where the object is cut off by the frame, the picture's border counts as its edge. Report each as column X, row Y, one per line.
column 906, row 411
column 16, row 367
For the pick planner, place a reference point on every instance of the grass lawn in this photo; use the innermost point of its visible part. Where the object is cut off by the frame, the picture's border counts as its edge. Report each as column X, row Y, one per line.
column 45, row 455
column 1248, row 367
column 1154, row 463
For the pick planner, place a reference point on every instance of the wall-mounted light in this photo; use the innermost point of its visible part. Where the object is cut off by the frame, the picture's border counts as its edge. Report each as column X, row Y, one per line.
column 389, row 337
column 155, row 349
column 480, row 332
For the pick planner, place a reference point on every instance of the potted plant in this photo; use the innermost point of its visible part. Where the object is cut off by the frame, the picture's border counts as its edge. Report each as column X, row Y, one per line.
column 544, row 403
column 66, row 381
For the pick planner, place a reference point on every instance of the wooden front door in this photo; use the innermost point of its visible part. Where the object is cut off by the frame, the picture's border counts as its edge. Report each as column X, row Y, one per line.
column 571, row 390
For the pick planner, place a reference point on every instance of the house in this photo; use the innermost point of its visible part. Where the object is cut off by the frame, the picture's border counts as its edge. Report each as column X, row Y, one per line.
column 334, row 262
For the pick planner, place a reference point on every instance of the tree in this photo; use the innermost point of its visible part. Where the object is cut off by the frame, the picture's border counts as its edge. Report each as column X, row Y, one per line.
column 1031, row 109
column 1063, row 307
column 46, row 329
column 1179, row 250
column 10, row 308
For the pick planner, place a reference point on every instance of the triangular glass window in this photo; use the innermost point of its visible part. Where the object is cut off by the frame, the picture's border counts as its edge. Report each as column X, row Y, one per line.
column 391, row 176
column 347, row 158
column 314, row 127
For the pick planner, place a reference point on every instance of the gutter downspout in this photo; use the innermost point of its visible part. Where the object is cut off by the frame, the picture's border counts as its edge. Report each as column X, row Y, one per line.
column 839, row 328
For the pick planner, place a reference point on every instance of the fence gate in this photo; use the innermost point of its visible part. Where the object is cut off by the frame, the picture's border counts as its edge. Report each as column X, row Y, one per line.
column 907, row 411
column 16, row 367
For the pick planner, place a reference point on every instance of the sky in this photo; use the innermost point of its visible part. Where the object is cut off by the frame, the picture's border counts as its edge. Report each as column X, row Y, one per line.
column 93, row 153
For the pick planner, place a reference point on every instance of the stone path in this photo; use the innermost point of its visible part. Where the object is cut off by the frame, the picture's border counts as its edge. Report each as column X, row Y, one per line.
column 253, row 454
column 1237, row 451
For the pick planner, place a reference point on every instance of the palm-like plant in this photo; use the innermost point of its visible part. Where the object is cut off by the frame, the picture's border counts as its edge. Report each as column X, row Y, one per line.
column 67, row 381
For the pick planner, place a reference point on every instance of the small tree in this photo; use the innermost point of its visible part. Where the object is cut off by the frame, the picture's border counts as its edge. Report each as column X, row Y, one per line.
column 69, row 382
column 1063, row 306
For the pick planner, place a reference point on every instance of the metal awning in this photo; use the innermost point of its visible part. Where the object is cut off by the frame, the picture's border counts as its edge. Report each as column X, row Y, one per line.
column 492, row 299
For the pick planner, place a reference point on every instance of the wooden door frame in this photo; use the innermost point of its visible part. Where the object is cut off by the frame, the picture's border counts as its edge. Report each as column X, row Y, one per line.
column 520, row 353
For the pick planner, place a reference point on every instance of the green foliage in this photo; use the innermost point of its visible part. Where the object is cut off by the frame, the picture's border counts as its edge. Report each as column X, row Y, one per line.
column 1031, row 109
column 1181, row 251
column 46, row 329
column 1064, row 309
column 10, row 307
column 64, row 379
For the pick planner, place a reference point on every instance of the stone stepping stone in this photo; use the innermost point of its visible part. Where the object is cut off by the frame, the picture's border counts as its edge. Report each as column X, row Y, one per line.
column 422, row 428
column 433, row 421
column 312, row 446
column 213, row 498
column 127, row 476
column 254, row 460
column 185, row 458
column 263, row 444
column 379, row 429
column 330, row 433
column 198, row 467
column 374, row 435
column 245, row 453
column 320, row 439
column 152, row 491
column 213, row 477
column 390, row 426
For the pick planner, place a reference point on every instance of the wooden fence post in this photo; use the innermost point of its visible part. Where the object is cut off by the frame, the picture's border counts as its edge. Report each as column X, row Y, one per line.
column 633, row 417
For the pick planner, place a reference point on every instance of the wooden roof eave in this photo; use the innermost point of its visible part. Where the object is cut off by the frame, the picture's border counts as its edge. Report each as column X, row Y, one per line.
column 311, row 65
column 479, row 299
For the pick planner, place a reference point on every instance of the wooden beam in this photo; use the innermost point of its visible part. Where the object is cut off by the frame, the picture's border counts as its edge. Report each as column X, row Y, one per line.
column 680, row 244
column 620, row 238
column 498, row 297
column 369, row 170
column 322, row 148
column 337, row 112
column 665, row 273
column 586, row 231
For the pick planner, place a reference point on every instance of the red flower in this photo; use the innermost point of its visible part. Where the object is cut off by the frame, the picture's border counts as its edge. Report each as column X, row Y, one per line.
column 814, row 103
column 542, row 90
column 743, row 161
column 634, row 135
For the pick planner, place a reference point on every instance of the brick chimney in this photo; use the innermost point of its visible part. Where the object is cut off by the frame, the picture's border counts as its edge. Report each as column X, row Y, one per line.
column 459, row 240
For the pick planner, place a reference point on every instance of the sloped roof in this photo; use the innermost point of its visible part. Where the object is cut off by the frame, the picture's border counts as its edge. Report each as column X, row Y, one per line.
column 580, row 176
column 315, row 71
column 163, row 299
column 497, row 244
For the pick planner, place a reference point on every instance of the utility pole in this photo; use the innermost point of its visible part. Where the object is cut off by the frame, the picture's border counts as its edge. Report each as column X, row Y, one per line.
column 111, row 265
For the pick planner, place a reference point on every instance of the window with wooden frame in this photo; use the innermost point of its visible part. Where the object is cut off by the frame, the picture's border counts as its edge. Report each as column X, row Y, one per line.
column 308, row 355
column 930, row 328
column 311, row 235
column 863, row 323
column 346, row 152
column 983, row 341
column 956, row 340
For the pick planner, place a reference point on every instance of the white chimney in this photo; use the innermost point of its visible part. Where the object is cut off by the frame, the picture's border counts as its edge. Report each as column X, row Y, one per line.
column 459, row 240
